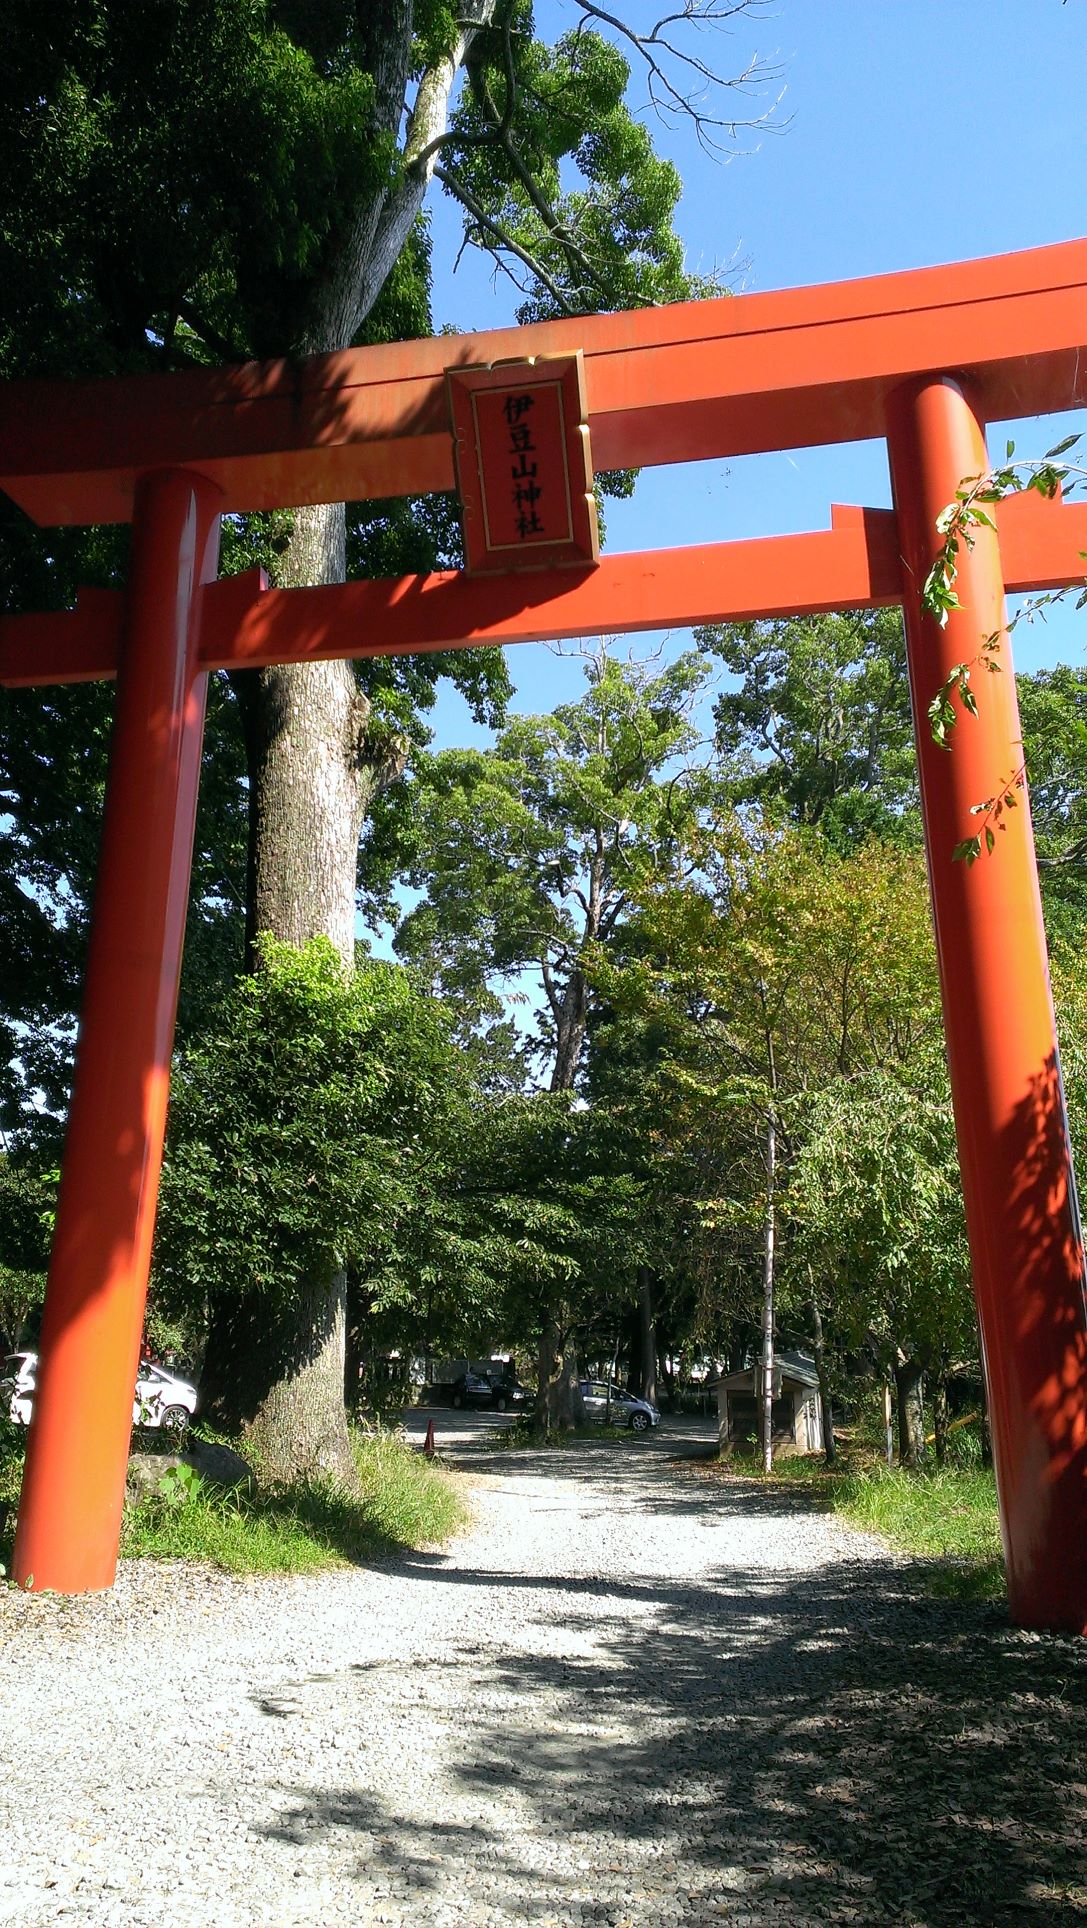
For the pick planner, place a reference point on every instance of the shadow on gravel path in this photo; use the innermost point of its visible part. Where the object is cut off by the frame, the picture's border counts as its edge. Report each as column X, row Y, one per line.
column 813, row 1746
column 624, row 1696
column 802, row 1753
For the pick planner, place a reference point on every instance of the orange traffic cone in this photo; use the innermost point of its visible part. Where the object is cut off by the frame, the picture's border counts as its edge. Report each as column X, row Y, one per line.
column 428, row 1443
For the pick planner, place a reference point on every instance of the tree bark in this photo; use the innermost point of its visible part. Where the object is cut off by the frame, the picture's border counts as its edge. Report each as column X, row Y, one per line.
column 571, row 1410
column 313, row 772
column 647, row 1338
column 275, row 1374
column 830, row 1451
column 314, row 769
column 939, row 1419
column 571, row 1013
column 558, row 1400
column 909, row 1381
column 359, row 1306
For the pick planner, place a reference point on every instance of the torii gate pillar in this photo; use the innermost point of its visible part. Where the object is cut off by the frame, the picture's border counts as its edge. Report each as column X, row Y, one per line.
column 1018, row 1189
column 73, row 1490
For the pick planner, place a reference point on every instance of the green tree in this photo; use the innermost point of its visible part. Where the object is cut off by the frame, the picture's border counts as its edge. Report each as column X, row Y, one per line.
column 780, row 967
column 819, row 724
column 1053, row 709
column 562, row 1220
column 241, row 177
column 308, row 1127
column 27, row 1199
column 679, row 1305
column 529, row 855
column 876, row 1208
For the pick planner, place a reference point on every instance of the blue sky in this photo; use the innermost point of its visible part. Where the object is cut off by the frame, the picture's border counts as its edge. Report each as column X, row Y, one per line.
column 912, row 133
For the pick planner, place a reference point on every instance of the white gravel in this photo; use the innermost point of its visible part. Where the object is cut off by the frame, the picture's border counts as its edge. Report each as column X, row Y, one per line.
column 626, row 1696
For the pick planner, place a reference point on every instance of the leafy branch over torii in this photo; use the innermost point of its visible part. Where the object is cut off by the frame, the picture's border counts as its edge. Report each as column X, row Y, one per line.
column 958, row 523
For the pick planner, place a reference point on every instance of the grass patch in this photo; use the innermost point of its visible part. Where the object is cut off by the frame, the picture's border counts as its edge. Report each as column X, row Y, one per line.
column 947, row 1516
column 405, row 1502
column 405, row 1498
column 943, row 1514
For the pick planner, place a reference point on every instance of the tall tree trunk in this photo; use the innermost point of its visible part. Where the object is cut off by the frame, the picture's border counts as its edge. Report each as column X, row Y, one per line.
column 766, row 1402
column 825, row 1407
column 428, row 1328
column 313, row 770
column 647, row 1338
column 633, row 1324
column 571, row 1410
column 359, row 1305
column 888, row 1425
column 312, row 775
column 666, row 1368
column 285, row 1391
column 909, row 1381
column 558, row 1399
column 939, row 1418
column 571, row 1013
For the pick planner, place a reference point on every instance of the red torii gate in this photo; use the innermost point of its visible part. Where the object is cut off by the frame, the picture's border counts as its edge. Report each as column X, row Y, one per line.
column 923, row 358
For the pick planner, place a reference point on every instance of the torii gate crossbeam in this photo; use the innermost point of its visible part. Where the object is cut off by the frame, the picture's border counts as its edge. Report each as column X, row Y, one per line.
column 924, row 359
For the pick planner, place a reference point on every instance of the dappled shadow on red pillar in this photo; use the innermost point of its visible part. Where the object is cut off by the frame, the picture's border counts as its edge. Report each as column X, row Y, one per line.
column 1038, row 1376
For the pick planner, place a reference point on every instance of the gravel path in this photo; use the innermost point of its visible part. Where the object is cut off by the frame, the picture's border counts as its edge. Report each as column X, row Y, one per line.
column 626, row 1696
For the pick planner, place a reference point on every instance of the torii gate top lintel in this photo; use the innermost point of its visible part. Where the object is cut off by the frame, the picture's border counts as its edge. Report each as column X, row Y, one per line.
column 732, row 376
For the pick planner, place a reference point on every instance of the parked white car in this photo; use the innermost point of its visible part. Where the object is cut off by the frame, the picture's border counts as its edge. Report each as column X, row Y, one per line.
column 161, row 1397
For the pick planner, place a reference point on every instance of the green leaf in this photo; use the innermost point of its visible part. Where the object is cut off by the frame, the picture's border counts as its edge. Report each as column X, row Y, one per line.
column 967, row 852
column 1062, row 448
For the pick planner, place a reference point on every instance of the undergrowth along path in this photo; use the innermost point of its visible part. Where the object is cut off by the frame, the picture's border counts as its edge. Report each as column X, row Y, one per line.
column 625, row 1696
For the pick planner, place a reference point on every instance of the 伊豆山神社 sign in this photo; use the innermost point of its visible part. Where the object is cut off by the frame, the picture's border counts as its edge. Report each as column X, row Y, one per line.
column 523, row 465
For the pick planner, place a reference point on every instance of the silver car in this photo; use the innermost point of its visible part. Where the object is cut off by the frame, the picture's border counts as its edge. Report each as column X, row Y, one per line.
column 613, row 1404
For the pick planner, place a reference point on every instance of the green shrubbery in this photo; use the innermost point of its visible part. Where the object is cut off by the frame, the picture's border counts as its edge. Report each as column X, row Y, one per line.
column 947, row 1514
column 12, row 1455
column 405, row 1502
column 944, row 1514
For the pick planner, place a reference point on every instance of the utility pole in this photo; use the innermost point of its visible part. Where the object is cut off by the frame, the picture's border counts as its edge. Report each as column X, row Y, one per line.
column 766, row 1412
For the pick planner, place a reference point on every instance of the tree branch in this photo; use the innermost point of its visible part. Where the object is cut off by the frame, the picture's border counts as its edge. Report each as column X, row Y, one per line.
column 669, row 101
column 505, row 240
column 549, row 987
column 227, row 351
